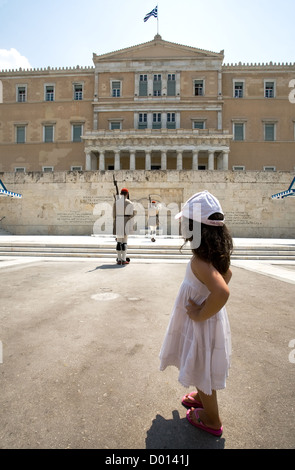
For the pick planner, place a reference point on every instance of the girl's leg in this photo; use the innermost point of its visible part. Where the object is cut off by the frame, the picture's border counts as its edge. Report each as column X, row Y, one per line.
column 209, row 415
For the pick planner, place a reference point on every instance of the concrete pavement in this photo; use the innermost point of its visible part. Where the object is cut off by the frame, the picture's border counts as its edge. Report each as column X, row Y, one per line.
column 80, row 344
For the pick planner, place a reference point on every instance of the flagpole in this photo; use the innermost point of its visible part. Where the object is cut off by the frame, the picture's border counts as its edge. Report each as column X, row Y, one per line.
column 157, row 19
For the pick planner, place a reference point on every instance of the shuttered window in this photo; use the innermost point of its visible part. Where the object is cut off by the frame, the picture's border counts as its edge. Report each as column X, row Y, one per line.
column 48, row 133
column 269, row 132
column 171, row 84
column 77, row 132
column 157, row 85
column 171, row 123
column 20, row 134
column 143, row 85
column 199, row 125
column 157, row 121
column 238, row 131
column 142, row 121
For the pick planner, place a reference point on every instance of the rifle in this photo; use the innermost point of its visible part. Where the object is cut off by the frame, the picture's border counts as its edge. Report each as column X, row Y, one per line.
column 116, row 186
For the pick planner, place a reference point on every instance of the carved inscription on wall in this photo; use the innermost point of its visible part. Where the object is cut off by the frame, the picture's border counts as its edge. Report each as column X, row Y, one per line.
column 84, row 214
column 241, row 218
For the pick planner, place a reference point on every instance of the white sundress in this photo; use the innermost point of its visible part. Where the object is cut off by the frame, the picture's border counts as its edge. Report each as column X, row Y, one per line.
column 200, row 350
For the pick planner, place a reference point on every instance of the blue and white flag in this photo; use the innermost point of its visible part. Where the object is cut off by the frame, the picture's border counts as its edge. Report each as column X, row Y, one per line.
column 154, row 13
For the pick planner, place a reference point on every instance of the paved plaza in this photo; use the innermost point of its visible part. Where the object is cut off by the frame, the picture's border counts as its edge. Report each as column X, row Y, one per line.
column 80, row 344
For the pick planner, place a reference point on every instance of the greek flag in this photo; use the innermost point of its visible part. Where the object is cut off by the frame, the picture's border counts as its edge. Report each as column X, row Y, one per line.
column 154, row 13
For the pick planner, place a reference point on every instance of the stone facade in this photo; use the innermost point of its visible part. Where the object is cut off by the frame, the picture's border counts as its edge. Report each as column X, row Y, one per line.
column 157, row 105
column 80, row 203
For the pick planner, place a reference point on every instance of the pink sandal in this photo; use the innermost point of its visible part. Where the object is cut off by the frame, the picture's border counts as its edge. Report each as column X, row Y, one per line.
column 192, row 403
column 200, row 425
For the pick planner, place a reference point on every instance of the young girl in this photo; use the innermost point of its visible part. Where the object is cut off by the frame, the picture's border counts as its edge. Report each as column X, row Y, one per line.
column 198, row 340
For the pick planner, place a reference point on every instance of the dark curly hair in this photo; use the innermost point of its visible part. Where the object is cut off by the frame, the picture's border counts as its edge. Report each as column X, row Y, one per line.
column 216, row 244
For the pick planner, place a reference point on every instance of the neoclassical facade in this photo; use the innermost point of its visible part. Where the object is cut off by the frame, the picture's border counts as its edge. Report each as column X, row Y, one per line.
column 153, row 106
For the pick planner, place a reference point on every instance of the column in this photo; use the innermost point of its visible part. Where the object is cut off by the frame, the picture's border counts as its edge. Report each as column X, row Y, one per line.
column 179, row 161
column 101, row 161
column 136, row 84
column 219, row 120
column 149, row 120
column 117, row 164
column 195, row 160
column 150, row 84
column 163, row 160
column 225, row 160
column 211, row 160
column 88, row 161
column 147, row 160
column 132, row 160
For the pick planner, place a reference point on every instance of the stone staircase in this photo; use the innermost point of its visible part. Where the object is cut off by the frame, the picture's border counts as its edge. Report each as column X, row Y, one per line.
column 137, row 249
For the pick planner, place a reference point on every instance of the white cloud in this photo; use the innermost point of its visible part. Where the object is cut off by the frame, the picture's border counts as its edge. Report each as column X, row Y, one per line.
column 12, row 59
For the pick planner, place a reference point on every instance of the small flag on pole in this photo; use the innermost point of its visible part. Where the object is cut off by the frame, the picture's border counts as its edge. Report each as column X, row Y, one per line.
column 154, row 13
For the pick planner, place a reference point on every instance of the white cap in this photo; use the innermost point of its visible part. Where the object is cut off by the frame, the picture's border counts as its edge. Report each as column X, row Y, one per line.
column 199, row 208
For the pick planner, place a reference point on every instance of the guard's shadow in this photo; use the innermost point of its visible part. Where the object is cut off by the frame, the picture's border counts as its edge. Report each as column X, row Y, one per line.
column 178, row 433
column 107, row 266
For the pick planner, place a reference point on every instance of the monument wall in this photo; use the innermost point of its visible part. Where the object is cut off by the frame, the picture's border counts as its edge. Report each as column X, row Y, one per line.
column 80, row 203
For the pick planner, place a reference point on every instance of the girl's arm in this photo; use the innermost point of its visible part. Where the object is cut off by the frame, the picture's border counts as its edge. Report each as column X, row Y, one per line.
column 216, row 284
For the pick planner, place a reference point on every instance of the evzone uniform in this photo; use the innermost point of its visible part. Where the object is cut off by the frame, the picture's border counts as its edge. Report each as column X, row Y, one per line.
column 123, row 212
column 153, row 216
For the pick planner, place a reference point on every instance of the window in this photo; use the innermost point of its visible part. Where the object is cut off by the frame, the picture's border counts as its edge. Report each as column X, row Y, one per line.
column 143, row 85
column 21, row 94
column 269, row 132
column 239, row 131
column 269, row 168
column 199, row 124
column 238, row 168
column 269, row 89
column 157, row 85
column 20, row 169
column 77, row 132
column 47, row 169
column 48, row 133
column 49, row 92
column 20, row 134
column 76, row 168
column 115, row 125
column 116, row 89
column 171, row 84
column 199, row 88
column 142, row 121
column 157, row 121
column 238, row 89
column 171, row 123
column 78, row 91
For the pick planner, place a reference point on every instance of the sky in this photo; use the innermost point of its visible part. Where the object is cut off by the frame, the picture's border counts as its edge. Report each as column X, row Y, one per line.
column 66, row 33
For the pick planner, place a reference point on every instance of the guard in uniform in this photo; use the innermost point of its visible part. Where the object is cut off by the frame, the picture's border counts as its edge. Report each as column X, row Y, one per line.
column 123, row 212
column 153, row 219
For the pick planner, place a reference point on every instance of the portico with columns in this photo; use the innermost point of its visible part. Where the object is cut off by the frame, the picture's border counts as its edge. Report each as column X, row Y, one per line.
column 149, row 150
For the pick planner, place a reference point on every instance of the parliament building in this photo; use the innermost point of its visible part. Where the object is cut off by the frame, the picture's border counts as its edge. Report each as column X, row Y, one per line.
column 154, row 106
